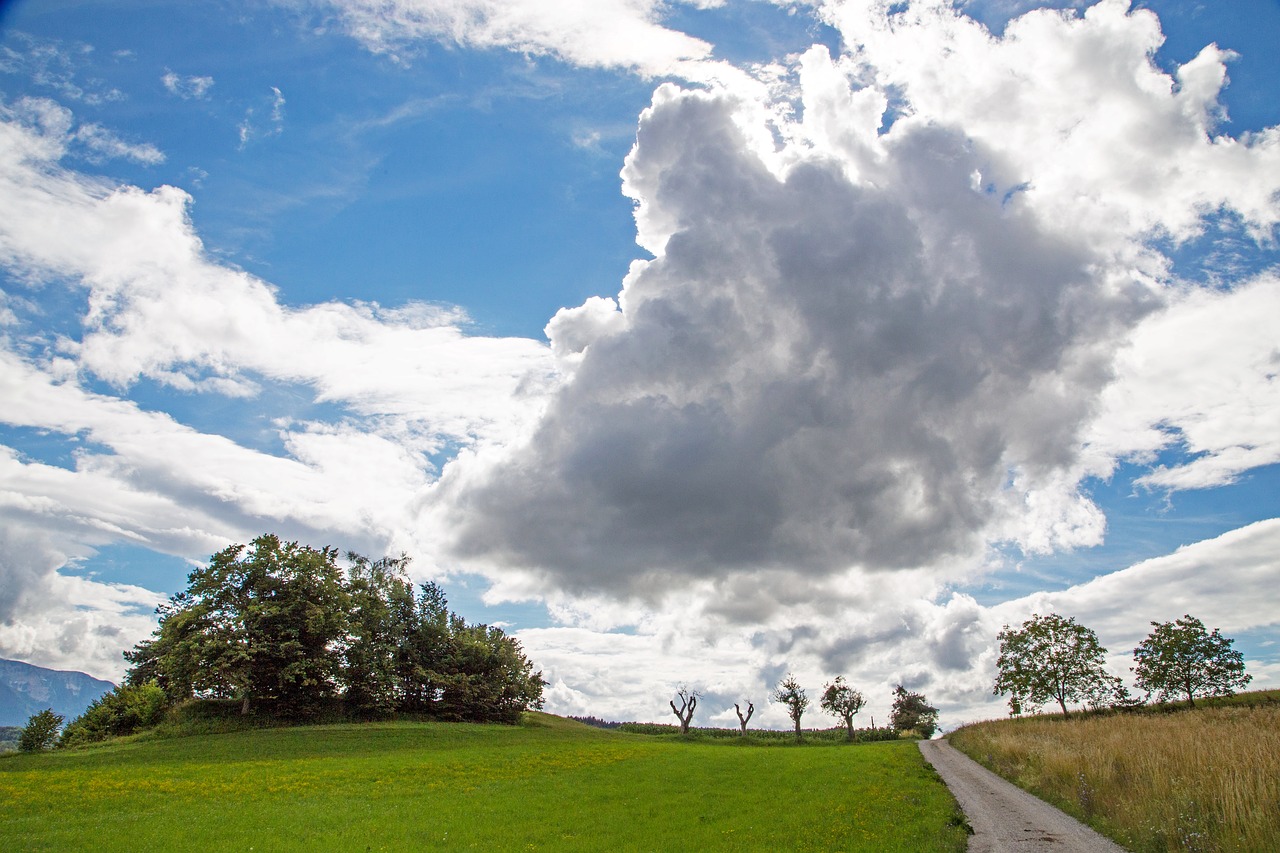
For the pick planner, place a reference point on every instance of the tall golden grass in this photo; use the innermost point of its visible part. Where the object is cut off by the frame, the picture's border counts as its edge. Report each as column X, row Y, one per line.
column 1203, row 780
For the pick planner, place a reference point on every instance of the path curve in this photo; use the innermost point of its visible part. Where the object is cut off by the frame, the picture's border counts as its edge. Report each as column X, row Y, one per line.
column 1005, row 818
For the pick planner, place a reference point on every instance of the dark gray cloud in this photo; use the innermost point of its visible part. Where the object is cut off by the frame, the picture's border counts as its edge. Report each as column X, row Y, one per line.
column 812, row 374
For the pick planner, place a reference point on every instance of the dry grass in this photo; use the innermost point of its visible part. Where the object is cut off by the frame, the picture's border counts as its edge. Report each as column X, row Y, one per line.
column 1204, row 780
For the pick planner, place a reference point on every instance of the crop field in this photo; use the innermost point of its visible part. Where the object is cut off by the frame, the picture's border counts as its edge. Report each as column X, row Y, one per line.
column 1202, row 780
column 549, row 784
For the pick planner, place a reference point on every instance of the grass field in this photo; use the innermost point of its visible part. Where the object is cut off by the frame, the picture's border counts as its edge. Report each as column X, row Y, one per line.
column 1202, row 780
column 550, row 784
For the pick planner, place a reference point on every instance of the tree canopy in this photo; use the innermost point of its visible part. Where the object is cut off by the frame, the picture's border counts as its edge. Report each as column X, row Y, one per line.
column 841, row 700
column 1053, row 658
column 790, row 693
column 1181, row 658
column 912, row 712
column 284, row 629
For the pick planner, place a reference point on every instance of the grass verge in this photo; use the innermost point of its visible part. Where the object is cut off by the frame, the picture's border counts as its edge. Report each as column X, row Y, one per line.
column 548, row 785
column 1202, row 780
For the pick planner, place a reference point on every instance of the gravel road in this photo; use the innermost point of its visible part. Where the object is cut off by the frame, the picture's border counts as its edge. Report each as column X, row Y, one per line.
column 1003, row 816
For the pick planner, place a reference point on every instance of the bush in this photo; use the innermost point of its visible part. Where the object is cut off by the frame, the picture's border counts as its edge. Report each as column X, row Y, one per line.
column 40, row 732
column 123, row 711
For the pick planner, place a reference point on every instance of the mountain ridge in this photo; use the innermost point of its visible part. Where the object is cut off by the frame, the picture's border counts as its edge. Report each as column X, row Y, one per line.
column 27, row 689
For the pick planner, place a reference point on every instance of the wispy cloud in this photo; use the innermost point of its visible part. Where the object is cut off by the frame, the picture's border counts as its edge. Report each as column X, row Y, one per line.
column 194, row 87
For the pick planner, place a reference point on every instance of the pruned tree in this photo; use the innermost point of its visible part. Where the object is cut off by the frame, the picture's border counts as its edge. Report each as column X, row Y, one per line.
column 791, row 694
column 912, row 712
column 841, row 700
column 684, row 713
column 1053, row 658
column 1181, row 658
column 743, row 720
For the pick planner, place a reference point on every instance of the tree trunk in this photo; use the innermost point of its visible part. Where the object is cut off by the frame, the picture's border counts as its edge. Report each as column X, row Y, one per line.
column 1063, row 703
column 797, row 730
column 244, row 704
column 848, row 724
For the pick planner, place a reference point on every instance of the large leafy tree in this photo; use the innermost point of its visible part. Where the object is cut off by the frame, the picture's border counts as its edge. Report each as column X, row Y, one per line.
column 1052, row 658
column 380, row 623
column 1181, row 658
column 840, row 700
column 261, row 624
column 911, row 712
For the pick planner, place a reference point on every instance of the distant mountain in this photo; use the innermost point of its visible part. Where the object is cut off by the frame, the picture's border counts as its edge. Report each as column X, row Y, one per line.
column 26, row 689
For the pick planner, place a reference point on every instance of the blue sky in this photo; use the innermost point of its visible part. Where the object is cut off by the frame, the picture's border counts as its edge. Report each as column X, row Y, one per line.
column 694, row 342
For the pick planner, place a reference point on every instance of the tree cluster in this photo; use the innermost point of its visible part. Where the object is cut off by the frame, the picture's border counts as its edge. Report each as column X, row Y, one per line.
column 1054, row 659
column 283, row 629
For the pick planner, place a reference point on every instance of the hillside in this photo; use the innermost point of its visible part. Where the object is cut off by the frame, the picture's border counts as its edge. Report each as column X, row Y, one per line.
column 549, row 784
column 26, row 689
column 1164, row 779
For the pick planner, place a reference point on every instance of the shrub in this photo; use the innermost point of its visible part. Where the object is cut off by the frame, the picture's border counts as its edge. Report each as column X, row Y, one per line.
column 123, row 711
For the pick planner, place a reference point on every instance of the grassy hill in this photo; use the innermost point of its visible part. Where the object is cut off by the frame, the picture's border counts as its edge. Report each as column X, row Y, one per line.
column 1164, row 779
column 550, row 784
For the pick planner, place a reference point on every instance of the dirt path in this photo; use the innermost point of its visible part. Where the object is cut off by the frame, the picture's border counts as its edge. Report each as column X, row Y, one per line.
column 1003, row 816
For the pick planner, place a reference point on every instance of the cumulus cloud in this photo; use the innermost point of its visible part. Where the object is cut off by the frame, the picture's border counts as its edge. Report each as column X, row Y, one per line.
column 875, row 345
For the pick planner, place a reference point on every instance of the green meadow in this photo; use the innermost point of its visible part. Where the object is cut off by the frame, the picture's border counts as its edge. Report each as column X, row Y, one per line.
column 549, row 784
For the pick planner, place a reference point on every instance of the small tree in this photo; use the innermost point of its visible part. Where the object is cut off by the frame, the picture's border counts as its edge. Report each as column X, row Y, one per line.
column 791, row 694
column 742, row 721
column 1181, row 658
column 684, row 713
column 841, row 700
column 40, row 732
column 1052, row 658
column 912, row 712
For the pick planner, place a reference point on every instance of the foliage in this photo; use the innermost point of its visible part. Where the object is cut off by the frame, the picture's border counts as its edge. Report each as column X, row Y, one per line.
column 841, row 700
column 1157, row 780
column 911, row 712
column 1180, row 658
column 40, row 732
column 1053, row 658
column 126, row 709
column 791, row 694
column 283, row 629
column 547, row 784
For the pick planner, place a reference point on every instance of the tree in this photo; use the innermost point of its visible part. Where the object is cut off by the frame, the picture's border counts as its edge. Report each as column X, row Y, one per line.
column 1181, row 658
column 40, row 732
column 841, row 700
column 1053, row 658
column 743, row 720
column 258, row 624
column 791, row 694
column 684, row 712
column 912, row 712
column 379, row 622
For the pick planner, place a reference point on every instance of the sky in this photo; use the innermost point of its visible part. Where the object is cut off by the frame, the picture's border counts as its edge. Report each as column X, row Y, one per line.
column 693, row 342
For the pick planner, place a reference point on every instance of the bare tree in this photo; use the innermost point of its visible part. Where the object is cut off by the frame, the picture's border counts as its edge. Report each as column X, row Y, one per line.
column 688, row 701
column 742, row 721
column 791, row 694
